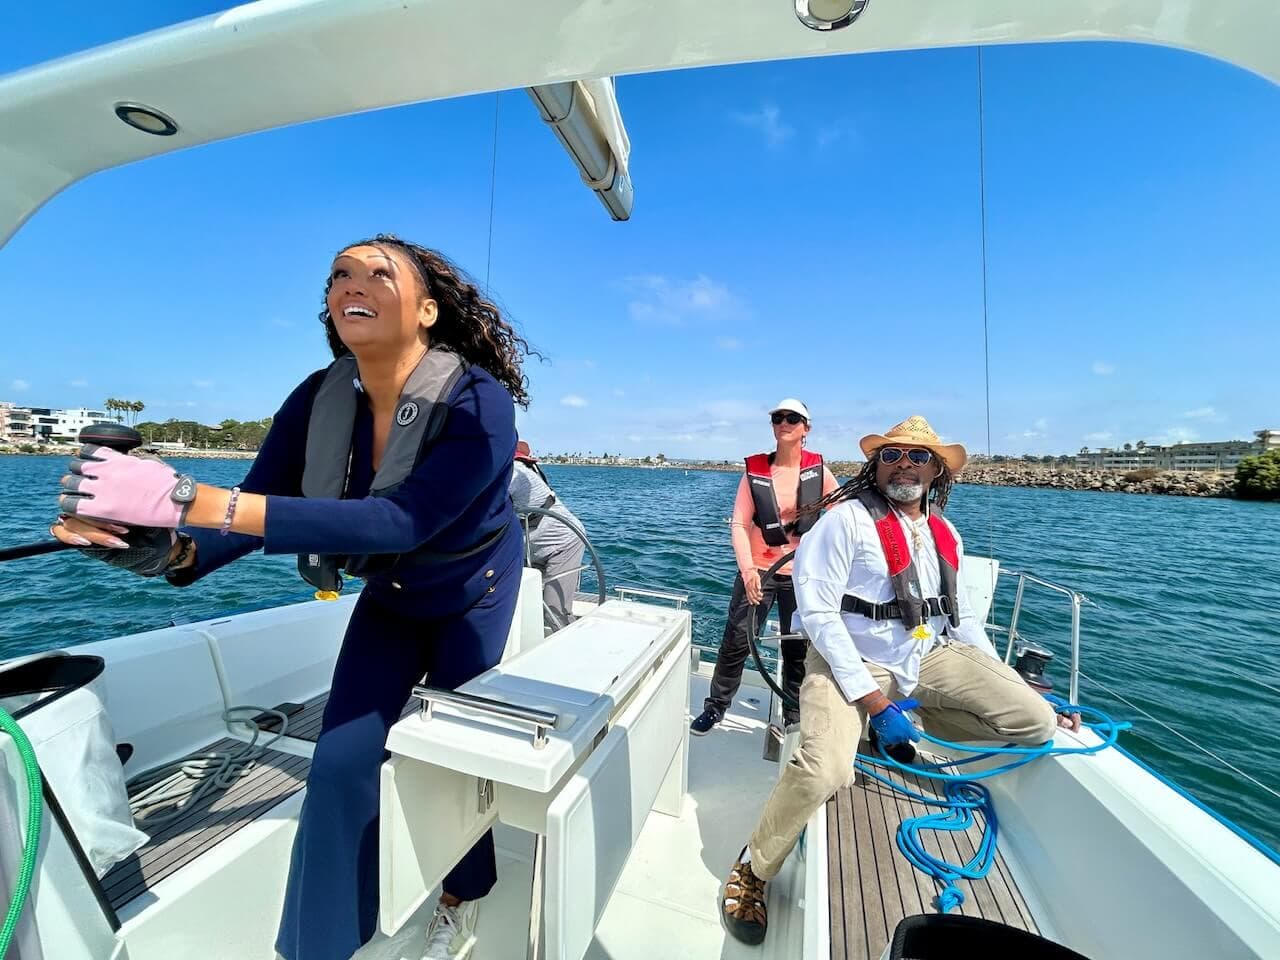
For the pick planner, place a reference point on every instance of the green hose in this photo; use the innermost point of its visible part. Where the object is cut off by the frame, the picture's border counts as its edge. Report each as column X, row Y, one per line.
column 35, row 810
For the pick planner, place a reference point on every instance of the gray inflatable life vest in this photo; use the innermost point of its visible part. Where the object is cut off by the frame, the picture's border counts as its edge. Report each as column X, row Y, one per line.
column 419, row 420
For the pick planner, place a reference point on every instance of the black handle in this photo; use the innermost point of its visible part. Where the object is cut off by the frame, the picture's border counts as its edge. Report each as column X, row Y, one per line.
column 117, row 437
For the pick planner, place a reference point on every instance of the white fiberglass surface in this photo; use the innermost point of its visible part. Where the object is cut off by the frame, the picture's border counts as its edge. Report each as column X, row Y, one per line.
column 666, row 903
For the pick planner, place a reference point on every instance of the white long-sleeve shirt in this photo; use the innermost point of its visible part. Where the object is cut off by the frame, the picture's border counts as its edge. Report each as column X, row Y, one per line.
column 842, row 554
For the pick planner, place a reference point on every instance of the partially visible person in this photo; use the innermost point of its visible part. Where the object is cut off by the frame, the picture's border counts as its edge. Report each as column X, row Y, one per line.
column 552, row 548
column 765, row 527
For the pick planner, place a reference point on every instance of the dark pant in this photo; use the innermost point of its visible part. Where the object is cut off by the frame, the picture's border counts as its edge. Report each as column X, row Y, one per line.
column 331, row 903
column 734, row 650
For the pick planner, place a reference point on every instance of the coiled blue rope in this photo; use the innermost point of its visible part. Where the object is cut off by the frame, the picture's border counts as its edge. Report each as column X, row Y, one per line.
column 963, row 798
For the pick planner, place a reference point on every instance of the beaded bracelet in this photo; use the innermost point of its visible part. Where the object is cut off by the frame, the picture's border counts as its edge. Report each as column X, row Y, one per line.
column 231, row 511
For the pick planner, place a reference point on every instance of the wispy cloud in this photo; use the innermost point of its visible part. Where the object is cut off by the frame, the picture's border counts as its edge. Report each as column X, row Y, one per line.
column 618, row 392
column 1100, row 437
column 661, row 300
column 282, row 322
column 202, row 384
column 589, row 364
column 768, row 122
column 1207, row 414
column 1037, row 430
column 1178, row 435
column 572, row 400
column 716, row 425
column 78, row 384
column 1103, row 369
column 19, row 386
column 728, row 343
column 833, row 134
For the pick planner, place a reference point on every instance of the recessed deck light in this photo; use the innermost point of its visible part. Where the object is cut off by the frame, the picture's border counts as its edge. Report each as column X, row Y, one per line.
column 147, row 119
column 829, row 14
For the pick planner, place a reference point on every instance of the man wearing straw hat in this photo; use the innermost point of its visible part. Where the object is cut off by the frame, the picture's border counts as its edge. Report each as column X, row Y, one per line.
column 877, row 590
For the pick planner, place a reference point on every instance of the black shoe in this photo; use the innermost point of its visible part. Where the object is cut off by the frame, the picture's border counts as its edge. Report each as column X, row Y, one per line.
column 704, row 721
column 904, row 753
column 790, row 718
column 742, row 906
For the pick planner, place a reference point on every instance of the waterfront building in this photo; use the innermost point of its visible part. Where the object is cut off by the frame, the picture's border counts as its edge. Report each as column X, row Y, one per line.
column 1222, row 456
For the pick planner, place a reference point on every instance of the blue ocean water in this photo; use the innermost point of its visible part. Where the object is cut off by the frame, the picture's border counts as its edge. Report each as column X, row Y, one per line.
column 1185, row 627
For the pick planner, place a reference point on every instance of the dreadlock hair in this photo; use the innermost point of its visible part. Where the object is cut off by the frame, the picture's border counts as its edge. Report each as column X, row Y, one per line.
column 467, row 323
column 938, row 491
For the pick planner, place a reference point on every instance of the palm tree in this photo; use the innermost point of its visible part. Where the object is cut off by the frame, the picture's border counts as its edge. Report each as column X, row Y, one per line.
column 137, row 407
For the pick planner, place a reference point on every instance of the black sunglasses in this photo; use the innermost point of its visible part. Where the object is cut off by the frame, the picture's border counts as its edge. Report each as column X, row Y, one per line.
column 891, row 455
column 791, row 418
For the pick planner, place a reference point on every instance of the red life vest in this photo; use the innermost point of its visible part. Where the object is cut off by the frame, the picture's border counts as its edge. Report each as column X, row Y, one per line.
column 902, row 569
column 760, row 483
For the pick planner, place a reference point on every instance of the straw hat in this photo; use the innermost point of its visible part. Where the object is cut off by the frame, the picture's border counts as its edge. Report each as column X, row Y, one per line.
column 916, row 432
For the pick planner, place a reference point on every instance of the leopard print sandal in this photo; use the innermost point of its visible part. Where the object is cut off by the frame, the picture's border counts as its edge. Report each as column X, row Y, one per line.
column 742, row 906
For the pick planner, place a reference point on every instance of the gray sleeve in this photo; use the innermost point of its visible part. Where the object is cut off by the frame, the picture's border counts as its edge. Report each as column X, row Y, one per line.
column 521, row 488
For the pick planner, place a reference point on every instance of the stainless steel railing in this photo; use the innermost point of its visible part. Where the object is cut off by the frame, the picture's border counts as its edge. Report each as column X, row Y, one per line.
column 1074, row 597
column 540, row 720
column 680, row 600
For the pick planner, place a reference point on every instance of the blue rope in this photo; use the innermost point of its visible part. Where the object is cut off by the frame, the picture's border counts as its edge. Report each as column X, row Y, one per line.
column 964, row 799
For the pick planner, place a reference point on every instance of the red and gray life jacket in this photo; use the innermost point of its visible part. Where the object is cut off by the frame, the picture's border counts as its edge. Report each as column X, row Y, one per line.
column 909, row 604
column 419, row 421
column 760, row 483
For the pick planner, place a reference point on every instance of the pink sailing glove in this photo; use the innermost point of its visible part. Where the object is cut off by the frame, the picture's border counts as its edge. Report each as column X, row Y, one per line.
column 105, row 485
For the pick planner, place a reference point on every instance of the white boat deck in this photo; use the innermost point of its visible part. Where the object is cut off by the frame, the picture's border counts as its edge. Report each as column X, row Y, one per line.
column 666, row 905
column 871, row 884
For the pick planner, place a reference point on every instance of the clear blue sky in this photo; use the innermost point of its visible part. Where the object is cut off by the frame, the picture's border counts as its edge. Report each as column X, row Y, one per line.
column 806, row 228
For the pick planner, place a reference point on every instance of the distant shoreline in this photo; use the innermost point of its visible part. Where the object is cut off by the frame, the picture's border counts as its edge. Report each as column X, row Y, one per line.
column 1183, row 484
column 1213, row 485
column 69, row 450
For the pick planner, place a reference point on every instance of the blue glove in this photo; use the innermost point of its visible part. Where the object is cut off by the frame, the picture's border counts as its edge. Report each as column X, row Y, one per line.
column 892, row 725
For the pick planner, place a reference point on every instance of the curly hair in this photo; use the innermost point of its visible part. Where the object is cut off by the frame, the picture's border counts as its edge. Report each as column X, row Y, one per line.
column 939, row 490
column 467, row 323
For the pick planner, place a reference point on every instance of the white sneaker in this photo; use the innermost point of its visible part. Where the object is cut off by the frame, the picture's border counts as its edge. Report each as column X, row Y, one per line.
column 452, row 932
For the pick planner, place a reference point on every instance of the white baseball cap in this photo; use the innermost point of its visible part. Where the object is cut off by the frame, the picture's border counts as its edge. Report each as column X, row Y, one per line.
column 792, row 404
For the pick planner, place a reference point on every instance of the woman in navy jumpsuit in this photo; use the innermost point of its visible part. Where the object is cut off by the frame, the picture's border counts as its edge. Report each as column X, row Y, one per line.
column 387, row 302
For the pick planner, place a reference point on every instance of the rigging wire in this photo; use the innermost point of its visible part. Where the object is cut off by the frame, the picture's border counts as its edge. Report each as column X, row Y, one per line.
column 493, row 182
column 1182, row 736
column 986, row 352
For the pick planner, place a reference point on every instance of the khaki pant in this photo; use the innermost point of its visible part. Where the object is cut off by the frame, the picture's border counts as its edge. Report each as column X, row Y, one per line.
column 963, row 694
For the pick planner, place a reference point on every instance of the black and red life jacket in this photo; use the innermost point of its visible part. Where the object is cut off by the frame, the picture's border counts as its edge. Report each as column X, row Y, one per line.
column 760, row 483
column 910, row 600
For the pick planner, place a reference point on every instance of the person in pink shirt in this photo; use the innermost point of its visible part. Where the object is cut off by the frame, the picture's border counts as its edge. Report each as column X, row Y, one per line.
column 765, row 529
